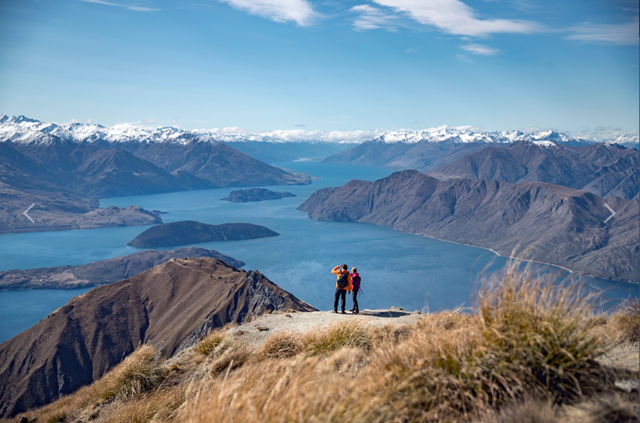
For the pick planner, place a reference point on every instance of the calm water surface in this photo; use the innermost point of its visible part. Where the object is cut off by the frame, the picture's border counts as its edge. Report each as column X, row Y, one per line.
column 397, row 269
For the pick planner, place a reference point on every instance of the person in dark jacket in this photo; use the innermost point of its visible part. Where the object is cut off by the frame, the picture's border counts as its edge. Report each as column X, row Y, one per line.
column 355, row 287
column 341, row 273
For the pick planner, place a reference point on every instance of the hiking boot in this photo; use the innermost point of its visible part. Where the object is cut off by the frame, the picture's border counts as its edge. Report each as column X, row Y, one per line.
column 335, row 311
column 344, row 312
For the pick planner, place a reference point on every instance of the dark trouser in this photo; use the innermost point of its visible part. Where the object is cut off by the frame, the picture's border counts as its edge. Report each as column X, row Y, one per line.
column 355, row 301
column 340, row 293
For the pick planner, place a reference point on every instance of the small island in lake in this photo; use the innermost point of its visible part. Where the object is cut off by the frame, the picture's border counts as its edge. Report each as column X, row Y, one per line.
column 190, row 232
column 256, row 194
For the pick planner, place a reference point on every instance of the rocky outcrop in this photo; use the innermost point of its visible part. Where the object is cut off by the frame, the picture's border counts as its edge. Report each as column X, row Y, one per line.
column 534, row 220
column 189, row 232
column 607, row 170
column 169, row 306
column 101, row 272
column 256, row 194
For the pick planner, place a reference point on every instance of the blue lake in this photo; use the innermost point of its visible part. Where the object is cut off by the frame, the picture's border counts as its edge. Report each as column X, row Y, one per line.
column 397, row 269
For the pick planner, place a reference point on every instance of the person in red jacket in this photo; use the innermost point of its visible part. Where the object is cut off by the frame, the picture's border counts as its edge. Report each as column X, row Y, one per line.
column 343, row 284
column 355, row 287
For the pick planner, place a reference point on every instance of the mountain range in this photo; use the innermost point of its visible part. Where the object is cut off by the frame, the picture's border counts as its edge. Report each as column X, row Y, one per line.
column 63, row 175
column 24, row 129
column 533, row 220
column 604, row 169
column 170, row 306
column 429, row 149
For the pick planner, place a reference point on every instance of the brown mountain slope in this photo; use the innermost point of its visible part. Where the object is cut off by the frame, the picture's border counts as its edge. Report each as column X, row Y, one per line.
column 215, row 162
column 55, row 208
column 422, row 156
column 545, row 222
column 605, row 170
column 100, row 272
column 169, row 306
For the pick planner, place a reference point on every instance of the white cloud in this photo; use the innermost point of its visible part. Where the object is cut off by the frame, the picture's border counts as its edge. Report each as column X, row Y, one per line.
column 622, row 34
column 479, row 49
column 298, row 134
column 372, row 18
column 455, row 17
column 298, row 11
column 134, row 8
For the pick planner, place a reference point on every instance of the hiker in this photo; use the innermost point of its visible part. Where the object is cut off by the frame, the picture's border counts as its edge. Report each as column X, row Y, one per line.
column 343, row 284
column 355, row 282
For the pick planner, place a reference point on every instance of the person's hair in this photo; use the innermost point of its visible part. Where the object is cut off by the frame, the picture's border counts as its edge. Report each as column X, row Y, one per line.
column 345, row 267
column 354, row 269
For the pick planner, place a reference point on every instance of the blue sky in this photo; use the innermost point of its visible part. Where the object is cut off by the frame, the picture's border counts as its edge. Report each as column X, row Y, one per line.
column 323, row 65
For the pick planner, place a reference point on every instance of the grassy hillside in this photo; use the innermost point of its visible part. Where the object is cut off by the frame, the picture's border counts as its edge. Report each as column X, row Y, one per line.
column 528, row 351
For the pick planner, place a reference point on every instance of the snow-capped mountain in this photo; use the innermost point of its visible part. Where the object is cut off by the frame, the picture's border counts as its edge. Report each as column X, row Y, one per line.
column 25, row 130
column 463, row 135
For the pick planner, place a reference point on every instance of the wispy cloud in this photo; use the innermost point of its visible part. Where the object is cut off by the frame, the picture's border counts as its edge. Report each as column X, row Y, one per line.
column 134, row 8
column 479, row 49
column 412, row 50
column 455, row 17
column 298, row 11
column 621, row 34
column 373, row 18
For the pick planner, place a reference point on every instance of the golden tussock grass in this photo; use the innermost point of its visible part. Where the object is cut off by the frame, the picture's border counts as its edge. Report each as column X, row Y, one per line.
column 211, row 342
column 626, row 320
column 527, row 352
column 527, row 338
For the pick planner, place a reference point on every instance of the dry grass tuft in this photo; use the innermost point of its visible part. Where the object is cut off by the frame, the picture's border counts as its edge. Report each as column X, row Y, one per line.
column 138, row 373
column 535, row 336
column 626, row 320
column 281, row 345
column 212, row 341
column 231, row 359
column 158, row 407
column 329, row 339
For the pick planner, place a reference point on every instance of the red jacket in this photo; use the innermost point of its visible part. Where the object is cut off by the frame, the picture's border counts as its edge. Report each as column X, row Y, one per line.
column 339, row 271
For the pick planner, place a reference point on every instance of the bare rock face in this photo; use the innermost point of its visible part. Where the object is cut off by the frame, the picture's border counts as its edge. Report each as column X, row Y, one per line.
column 169, row 306
column 101, row 272
column 536, row 220
column 191, row 232
column 256, row 194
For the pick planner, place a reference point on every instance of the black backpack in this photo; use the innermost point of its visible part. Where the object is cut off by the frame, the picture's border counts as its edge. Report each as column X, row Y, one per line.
column 343, row 281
